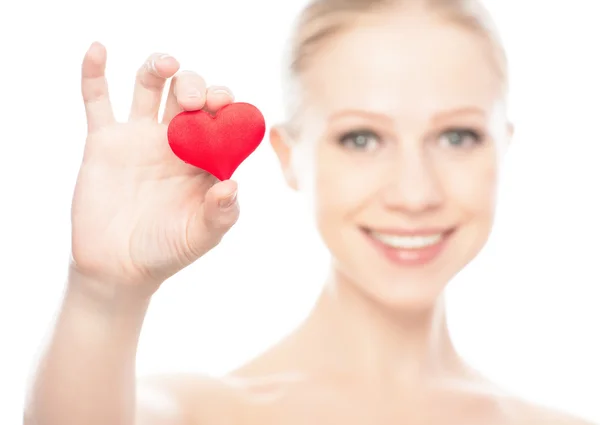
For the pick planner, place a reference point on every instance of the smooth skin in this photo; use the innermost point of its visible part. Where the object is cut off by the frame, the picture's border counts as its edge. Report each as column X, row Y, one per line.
column 375, row 349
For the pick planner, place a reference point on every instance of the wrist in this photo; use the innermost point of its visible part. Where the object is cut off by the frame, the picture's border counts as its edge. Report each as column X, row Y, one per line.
column 107, row 295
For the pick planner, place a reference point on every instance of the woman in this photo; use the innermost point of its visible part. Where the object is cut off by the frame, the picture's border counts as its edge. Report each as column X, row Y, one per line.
column 396, row 129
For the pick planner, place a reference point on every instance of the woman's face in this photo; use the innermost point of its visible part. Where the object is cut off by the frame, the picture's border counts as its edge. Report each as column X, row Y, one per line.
column 399, row 148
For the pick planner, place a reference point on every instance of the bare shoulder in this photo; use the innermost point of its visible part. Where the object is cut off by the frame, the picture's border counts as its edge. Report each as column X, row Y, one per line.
column 188, row 399
column 515, row 410
column 185, row 399
column 534, row 414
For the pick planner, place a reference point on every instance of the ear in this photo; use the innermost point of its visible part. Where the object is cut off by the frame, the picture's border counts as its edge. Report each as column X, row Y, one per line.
column 510, row 131
column 282, row 145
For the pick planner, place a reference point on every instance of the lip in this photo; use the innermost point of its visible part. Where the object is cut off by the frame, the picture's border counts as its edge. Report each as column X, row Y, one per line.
column 409, row 257
column 409, row 232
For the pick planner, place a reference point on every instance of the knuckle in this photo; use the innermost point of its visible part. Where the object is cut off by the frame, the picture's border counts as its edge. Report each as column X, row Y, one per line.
column 191, row 78
column 142, row 71
column 189, row 81
column 148, row 65
column 94, row 93
column 148, row 68
column 149, row 79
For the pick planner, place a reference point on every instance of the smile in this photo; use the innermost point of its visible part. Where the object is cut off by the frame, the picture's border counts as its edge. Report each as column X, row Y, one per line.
column 408, row 242
column 409, row 248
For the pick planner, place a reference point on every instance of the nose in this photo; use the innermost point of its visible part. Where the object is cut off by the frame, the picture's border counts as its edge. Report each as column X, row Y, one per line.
column 413, row 185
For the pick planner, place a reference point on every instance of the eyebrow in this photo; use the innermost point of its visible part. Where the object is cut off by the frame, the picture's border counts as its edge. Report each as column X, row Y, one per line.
column 362, row 113
column 465, row 110
column 439, row 116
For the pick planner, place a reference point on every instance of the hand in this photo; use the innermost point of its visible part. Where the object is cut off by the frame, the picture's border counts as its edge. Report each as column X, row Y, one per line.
column 139, row 213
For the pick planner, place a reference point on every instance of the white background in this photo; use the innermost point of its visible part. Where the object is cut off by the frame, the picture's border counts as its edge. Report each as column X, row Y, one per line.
column 526, row 312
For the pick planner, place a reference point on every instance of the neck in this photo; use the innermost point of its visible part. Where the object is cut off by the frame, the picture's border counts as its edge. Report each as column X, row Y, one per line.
column 359, row 337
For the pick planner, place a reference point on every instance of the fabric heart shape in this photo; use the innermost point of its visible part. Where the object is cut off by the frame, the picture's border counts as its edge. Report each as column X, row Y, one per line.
column 217, row 143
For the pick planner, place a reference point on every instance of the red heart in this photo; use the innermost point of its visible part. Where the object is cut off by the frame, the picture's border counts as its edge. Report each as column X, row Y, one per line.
column 217, row 143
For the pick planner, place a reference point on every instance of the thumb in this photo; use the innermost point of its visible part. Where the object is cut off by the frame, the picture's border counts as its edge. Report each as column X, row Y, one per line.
column 219, row 211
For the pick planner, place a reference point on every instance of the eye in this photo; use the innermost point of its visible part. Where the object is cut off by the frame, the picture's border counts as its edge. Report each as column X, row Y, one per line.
column 363, row 140
column 461, row 138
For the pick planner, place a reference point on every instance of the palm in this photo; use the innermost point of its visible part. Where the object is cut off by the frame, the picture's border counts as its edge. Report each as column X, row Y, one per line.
column 135, row 202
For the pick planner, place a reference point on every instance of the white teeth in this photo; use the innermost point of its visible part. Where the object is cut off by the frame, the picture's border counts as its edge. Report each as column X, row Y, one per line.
column 407, row 242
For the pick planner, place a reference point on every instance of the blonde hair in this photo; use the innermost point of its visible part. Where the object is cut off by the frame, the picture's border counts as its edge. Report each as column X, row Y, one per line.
column 322, row 20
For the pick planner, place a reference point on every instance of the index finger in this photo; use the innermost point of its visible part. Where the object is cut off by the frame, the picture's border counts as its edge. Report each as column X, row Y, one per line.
column 149, row 84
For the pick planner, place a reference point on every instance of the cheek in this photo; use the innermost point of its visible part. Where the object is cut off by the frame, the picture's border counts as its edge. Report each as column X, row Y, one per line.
column 471, row 183
column 343, row 187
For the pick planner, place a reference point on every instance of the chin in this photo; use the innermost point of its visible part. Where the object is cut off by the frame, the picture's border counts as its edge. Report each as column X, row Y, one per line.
column 403, row 280
column 403, row 294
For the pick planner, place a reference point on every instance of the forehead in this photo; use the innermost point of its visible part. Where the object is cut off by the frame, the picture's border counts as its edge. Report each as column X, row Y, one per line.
column 403, row 65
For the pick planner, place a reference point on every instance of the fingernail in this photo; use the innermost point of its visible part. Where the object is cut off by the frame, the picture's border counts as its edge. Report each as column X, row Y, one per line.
column 151, row 66
column 152, row 63
column 221, row 90
column 226, row 203
column 194, row 93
